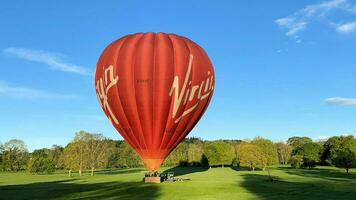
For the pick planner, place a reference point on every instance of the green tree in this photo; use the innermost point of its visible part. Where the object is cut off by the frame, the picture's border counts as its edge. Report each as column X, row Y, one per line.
column 297, row 142
column 74, row 154
column 269, row 150
column 235, row 144
column 128, row 157
column 73, row 157
column 310, row 153
column 87, row 151
column 219, row 153
column 14, row 155
column 99, row 151
column 115, row 152
column 179, row 156
column 284, row 151
column 251, row 155
column 343, row 151
column 41, row 162
column 296, row 161
column 195, row 153
column 1, row 152
column 55, row 154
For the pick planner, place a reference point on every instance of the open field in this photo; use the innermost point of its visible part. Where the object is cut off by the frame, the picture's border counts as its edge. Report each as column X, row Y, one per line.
column 215, row 183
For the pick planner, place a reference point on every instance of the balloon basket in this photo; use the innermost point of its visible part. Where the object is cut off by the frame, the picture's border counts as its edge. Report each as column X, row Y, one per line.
column 153, row 177
column 157, row 177
column 153, row 180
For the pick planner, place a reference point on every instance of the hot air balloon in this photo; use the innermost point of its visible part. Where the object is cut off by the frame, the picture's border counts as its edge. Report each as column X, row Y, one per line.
column 154, row 88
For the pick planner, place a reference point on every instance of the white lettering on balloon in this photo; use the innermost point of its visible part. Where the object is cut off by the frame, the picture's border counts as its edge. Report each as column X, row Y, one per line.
column 189, row 92
column 102, row 87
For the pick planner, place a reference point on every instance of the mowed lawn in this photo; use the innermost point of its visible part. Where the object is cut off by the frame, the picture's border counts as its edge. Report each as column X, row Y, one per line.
column 215, row 183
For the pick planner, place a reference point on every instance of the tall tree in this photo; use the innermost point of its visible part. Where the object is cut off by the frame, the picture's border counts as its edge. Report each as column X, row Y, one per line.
column 195, row 153
column 268, row 148
column 251, row 155
column 115, row 154
column 73, row 157
column 284, row 151
column 179, row 156
column 99, row 150
column 310, row 153
column 127, row 156
column 74, row 154
column 41, row 162
column 87, row 151
column 235, row 144
column 297, row 142
column 219, row 153
column 1, row 152
column 15, row 155
column 343, row 151
column 55, row 154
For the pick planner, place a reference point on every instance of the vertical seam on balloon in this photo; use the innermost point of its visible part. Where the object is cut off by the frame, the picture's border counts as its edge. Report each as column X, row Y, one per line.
column 133, row 138
column 153, row 131
column 170, row 103
column 112, row 45
column 191, row 76
column 133, row 82
column 166, row 117
column 124, row 113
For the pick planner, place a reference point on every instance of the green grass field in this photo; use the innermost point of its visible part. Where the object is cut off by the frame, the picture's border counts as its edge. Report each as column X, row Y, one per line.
column 215, row 183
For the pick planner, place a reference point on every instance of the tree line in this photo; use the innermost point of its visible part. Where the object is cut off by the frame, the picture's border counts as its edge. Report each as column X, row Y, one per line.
column 89, row 152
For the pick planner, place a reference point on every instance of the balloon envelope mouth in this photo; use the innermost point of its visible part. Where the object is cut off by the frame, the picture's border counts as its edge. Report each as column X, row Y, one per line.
column 152, row 164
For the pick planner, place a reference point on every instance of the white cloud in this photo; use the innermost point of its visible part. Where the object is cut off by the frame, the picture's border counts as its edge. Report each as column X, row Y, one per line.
column 295, row 28
column 324, row 7
column 347, row 27
column 341, row 101
column 323, row 137
column 299, row 20
column 292, row 25
column 12, row 91
column 54, row 61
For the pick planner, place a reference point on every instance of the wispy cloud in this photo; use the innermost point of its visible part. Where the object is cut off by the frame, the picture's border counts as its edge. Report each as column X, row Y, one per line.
column 9, row 90
column 54, row 61
column 341, row 101
column 292, row 25
column 347, row 27
column 299, row 20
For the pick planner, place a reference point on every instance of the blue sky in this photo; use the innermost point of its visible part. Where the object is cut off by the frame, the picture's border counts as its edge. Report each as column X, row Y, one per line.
column 283, row 68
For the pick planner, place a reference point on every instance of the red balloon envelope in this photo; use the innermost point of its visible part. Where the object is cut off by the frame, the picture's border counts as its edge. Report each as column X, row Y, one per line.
column 154, row 87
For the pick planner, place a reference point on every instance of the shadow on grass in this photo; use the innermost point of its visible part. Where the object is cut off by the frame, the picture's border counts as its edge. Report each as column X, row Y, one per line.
column 243, row 168
column 329, row 174
column 120, row 171
column 80, row 190
column 181, row 171
column 260, row 186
